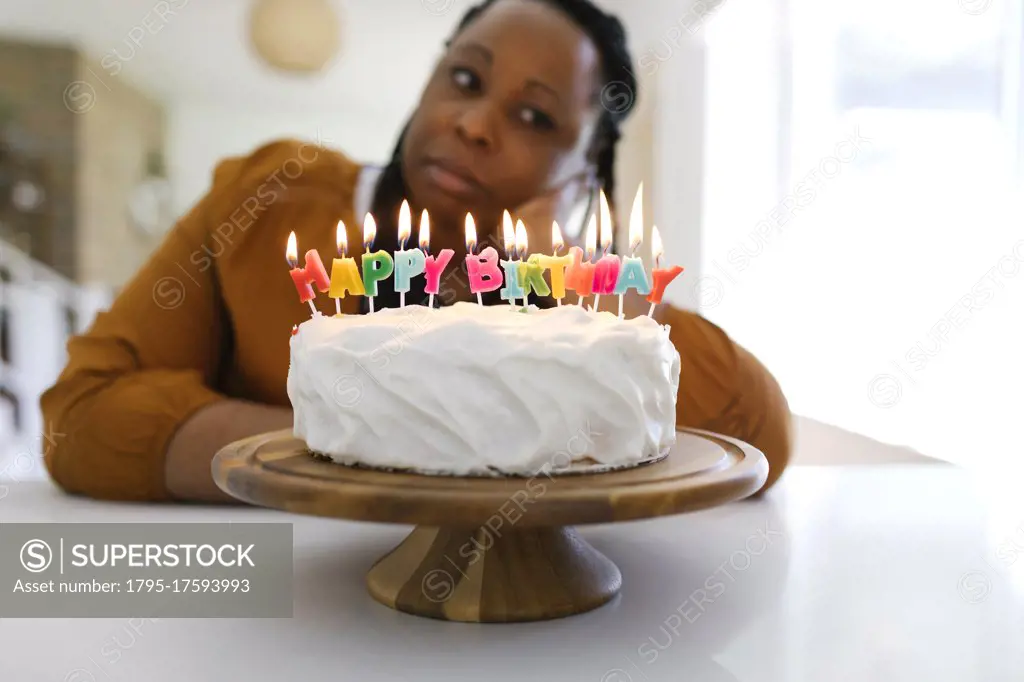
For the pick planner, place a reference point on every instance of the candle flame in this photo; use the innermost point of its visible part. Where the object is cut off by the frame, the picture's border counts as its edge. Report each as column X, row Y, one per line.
column 341, row 238
column 291, row 252
column 369, row 231
column 425, row 231
column 556, row 237
column 522, row 243
column 404, row 223
column 509, row 233
column 636, row 221
column 657, row 247
column 592, row 237
column 470, row 233
column 607, row 228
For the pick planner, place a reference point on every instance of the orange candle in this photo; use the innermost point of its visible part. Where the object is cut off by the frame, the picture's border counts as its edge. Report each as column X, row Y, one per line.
column 662, row 277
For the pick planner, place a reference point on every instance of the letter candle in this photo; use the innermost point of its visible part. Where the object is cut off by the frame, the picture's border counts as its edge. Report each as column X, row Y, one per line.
column 312, row 273
column 470, row 255
column 532, row 272
column 662, row 278
column 632, row 274
column 522, row 245
column 433, row 266
column 511, row 291
column 484, row 273
column 408, row 262
column 344, row 272
column 607, row 271
column 376, row 266
column 580, row 274
column 555, row 264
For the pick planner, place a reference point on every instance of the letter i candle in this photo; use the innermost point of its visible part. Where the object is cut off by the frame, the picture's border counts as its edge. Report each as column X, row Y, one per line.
column 512, row 289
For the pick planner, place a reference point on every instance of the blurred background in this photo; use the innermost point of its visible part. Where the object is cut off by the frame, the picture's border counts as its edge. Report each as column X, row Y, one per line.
column 840, row 178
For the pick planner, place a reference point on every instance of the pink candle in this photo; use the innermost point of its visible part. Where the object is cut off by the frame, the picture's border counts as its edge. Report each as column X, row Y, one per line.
column 432, row 267
column 580, row 275
column 605, row 265
column 484, row 273
column 304, row 278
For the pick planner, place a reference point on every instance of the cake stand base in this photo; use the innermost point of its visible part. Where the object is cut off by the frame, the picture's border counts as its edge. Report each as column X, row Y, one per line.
column 480, row 575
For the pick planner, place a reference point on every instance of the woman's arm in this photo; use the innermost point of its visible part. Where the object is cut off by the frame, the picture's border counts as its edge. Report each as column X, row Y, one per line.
column 725, row 389
column 145, row 372
column 192, row 449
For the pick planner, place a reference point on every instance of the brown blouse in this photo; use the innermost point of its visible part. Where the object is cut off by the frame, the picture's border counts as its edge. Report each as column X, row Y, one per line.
column 208, row 317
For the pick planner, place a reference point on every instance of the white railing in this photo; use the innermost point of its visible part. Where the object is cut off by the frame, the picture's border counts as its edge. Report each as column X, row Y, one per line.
column 39, row 310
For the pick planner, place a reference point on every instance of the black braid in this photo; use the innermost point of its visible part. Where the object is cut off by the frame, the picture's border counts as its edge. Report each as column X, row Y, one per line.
column 617, row 99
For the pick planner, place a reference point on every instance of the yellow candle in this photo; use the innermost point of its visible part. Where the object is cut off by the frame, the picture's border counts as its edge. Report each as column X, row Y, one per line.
column 345, row 277
column 555, row 264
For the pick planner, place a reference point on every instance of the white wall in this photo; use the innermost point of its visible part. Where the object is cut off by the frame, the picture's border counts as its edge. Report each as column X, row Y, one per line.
column 203, row 133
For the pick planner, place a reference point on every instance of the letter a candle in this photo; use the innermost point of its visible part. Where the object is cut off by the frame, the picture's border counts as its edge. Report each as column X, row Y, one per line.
column 632, row 274
column 312, row 273
column 344, row 272
column 376, row 266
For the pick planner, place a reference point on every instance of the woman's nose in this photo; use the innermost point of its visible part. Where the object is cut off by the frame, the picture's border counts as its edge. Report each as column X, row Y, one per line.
column 475, row 125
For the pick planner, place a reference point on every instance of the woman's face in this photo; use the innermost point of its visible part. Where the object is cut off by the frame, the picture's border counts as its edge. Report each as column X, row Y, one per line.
column 507, row 116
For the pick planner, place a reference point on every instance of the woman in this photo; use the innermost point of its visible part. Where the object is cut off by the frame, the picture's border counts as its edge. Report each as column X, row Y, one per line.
column 194, row 352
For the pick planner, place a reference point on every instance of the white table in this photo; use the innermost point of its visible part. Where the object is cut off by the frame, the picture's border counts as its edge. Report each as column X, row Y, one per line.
column 899, row 572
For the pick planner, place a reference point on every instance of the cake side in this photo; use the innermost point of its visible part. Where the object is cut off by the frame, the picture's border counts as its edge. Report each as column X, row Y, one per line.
column 470, row 390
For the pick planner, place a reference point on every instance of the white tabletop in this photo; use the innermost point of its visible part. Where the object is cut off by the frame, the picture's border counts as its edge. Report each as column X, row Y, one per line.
column 899, row 572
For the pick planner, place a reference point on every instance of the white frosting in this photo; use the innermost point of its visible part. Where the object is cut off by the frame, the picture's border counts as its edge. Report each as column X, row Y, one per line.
column 481, row 390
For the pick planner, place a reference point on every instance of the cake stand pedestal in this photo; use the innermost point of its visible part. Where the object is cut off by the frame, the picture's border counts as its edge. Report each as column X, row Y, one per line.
column 491, row 549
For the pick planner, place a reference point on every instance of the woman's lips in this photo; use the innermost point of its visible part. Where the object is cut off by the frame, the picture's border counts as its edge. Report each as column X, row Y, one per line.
column 450, row 181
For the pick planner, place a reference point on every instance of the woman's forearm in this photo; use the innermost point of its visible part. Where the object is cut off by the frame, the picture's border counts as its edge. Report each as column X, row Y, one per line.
column 191, row 451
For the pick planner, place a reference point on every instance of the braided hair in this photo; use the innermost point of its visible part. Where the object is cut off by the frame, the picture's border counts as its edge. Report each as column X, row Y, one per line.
column 617, row 99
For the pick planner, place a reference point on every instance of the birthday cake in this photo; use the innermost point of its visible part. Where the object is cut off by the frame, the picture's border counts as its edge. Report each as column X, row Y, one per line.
column 470, row 390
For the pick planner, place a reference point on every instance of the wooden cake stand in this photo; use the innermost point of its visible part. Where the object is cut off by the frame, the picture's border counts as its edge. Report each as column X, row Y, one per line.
column 491, row 549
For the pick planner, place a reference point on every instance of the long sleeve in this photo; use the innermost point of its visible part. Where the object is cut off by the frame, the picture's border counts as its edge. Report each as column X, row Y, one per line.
column 141, row 370
column 725, row 389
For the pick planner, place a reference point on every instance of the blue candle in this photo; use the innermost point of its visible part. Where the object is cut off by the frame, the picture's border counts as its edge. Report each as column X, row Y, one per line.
column 512, row 289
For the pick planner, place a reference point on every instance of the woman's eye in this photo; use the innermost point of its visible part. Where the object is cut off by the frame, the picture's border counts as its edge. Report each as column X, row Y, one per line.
column 536, row 118
column 465, row 79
